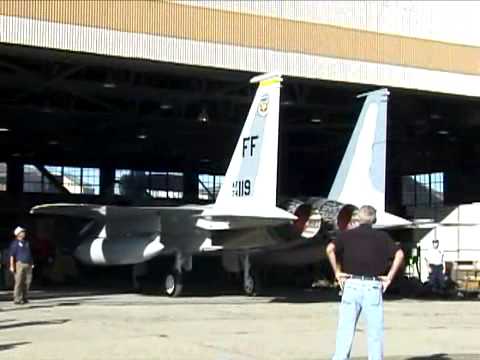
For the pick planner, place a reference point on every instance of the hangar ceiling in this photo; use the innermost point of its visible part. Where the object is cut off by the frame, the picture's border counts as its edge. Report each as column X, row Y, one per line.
column 79, row 108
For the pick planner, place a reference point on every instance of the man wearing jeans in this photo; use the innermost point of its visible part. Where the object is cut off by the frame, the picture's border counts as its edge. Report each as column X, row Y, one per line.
column 366, row 254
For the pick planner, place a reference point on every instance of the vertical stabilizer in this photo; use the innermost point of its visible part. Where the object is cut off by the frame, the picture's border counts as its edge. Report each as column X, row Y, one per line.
column 360, row 179
column 250, row 185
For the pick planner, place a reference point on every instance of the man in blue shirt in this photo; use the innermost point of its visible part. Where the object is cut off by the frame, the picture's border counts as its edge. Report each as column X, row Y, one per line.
column 21, row 264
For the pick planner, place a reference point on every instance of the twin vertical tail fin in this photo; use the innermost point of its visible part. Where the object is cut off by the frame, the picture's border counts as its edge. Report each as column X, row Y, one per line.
column 249, row 192
column 360, row 180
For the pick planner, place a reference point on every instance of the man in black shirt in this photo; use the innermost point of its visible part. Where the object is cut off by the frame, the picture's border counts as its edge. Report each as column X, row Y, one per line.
column 363, row 276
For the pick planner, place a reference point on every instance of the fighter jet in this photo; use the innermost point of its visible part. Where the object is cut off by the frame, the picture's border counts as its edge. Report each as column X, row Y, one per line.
column 245, row 219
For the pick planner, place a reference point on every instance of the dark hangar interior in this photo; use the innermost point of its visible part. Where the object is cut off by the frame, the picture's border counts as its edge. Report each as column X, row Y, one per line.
column 62, row 109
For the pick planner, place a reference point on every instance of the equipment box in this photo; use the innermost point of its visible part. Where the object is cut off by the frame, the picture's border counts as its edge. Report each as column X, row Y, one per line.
column 466, row 274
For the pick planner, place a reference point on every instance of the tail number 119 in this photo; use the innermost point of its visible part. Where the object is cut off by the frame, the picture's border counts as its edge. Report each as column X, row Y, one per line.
column 241, row 188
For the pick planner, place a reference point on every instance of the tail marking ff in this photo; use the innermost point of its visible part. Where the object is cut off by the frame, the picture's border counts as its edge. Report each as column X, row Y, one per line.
column 250, row 186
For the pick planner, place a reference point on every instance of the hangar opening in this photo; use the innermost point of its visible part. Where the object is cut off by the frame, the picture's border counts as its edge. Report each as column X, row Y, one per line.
column 82, row 128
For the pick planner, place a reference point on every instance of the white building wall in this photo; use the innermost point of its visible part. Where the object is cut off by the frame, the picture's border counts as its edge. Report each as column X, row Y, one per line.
column 448, row 21
column 458, row 234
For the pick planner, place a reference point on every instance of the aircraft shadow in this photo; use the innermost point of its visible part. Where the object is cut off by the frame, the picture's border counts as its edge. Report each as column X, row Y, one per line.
column 10, row 346
column 34, row 323
column 332, row 295
column 299, row 296
column 59, row 293
column 72, row 296
column 280, row 293
column 31, row 307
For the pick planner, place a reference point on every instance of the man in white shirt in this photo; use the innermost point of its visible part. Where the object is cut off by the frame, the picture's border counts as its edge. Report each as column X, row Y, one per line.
column 436, row 266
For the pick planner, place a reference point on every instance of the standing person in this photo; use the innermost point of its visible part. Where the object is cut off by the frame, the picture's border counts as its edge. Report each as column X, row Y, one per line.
column 352, row 224
column 366, row 254
column 436, row 266
column 21, row 264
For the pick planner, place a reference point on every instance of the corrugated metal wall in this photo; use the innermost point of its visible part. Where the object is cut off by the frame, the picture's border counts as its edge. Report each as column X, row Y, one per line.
column 445, row 21
column 251, row 31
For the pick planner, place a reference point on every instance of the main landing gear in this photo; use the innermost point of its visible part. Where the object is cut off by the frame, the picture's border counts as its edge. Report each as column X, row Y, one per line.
column 173, row 285
column 174, row 279
column 251, row 278
column 139, row 271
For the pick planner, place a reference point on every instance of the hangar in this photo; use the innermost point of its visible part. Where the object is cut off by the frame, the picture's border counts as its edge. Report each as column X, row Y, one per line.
column 92, row 91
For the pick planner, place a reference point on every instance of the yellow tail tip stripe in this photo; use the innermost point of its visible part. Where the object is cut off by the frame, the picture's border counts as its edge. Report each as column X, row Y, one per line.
column 270, row 82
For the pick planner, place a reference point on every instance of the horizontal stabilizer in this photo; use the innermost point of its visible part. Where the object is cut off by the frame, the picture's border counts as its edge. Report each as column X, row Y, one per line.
column 222, row 219
column 387, row 220
column 207, row 246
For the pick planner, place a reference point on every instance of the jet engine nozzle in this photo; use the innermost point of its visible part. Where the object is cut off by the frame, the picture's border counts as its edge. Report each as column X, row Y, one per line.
column 309, row 220
column 336, row 215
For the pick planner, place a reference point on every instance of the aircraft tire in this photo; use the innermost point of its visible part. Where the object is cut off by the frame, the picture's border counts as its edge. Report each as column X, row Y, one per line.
column 252, row 286
column 173, row 284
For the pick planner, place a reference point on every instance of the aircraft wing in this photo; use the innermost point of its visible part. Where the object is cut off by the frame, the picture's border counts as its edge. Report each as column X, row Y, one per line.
column 89, row 211
column 99, row 212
